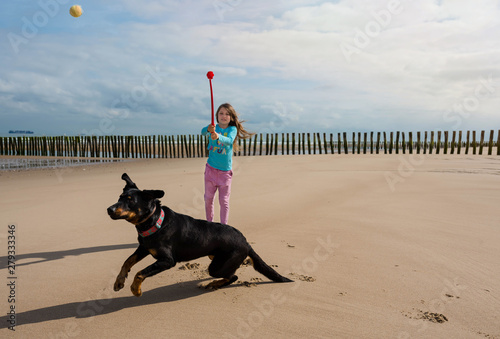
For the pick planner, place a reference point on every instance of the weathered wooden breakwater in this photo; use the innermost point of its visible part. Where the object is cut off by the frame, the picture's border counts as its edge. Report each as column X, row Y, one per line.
column 191, row 146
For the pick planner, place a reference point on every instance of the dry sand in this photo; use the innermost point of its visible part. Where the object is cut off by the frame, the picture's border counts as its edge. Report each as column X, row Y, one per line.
column 379, row 246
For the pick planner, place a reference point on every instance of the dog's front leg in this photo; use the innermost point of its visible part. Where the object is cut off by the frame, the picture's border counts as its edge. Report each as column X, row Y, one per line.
column 159, row 266
column 139, row 254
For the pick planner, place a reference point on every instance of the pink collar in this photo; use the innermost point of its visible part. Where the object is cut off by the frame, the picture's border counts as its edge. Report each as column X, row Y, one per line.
column 155, row 228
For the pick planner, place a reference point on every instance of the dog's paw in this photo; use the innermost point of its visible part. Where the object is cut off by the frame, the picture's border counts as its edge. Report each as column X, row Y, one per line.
column 136, row 290
column 136, row 286
column 119, row 283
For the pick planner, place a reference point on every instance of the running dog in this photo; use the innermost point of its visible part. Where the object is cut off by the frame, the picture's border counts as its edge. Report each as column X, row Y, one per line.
column 172, row 237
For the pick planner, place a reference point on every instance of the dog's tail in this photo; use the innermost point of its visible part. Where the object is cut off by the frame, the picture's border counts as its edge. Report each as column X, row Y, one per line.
column 263, row 268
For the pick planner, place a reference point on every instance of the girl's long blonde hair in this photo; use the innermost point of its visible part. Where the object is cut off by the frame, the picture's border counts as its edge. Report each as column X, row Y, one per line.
column 242, row 132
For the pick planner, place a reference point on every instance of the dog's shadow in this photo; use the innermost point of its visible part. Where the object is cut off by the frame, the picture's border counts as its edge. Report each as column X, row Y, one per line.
column 42, row 257
column 102, row 306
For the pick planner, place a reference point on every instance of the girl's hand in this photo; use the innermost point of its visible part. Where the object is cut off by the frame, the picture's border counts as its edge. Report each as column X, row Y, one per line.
column 214, row 136
column 211, row 128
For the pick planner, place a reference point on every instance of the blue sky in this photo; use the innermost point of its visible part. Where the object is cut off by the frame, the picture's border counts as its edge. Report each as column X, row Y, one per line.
column 139, row 67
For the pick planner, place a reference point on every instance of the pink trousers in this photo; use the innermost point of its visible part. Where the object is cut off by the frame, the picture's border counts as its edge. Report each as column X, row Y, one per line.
column 217, row 180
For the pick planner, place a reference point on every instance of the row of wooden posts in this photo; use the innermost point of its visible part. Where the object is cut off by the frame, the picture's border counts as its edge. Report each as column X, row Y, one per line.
column 191, row 146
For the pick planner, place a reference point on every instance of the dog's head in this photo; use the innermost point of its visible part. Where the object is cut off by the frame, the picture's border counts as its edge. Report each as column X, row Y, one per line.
column 134, row 205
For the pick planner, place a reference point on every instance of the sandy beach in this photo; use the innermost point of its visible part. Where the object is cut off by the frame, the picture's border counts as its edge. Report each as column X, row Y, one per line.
column 378, row 246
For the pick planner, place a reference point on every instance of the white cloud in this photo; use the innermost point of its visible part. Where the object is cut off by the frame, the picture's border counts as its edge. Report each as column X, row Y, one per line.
column 421, row 59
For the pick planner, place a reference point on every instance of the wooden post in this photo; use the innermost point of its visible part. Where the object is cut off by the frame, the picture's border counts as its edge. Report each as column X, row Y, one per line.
column 459, row 145
column 137, row 145
column 431, row 144
column 403, row 142
column 272, row 144
column 180, row 146
column 481, row 143
column 125, row 147
column 332, row 147
column 346, row 150
column 173, row 150
column 391, row 143
column 410, row 141
column 260, row 143
column 105, row 142
column 151, row 150
column 303, row 143
column 397, row 142
column 325, row 143
column 316, row 136
column 339, row 144
column 438, row 142
column 181, row 141
column 454, row 135
column 314, row 143
column 168, row 146
column 254, row 144
column 490, row 144
column 141, row 140
column 425, row 142
column 467, row 143
column 498, row 143
column 445, row 142
column 353, row 143
column 132, row 144
column 385, row 143
column 191, row 146
column 378, row 143
column 276, row 144
column 474, row 142
column 186, row 145
column 173, row 153
column 287, row 145
column 199, row 142
column 418, row 142
column 269, row 144
column 359, row 142
column 371, row 142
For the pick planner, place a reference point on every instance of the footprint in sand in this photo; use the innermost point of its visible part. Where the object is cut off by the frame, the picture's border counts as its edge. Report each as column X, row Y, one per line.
column 252, row 283
column 303, row 277
column 190, row 266
column 429, row 316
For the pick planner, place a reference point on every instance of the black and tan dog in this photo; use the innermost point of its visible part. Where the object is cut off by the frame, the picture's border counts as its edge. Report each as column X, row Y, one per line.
column 171, row 238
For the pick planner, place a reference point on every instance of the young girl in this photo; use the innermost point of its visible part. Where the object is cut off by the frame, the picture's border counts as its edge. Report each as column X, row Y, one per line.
column 218, row 171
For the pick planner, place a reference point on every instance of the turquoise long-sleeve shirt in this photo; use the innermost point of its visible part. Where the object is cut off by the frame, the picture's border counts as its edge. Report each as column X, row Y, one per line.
column 220, row 151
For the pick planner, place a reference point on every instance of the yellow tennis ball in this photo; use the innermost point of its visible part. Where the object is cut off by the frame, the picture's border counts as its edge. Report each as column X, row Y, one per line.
column 75, row 11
